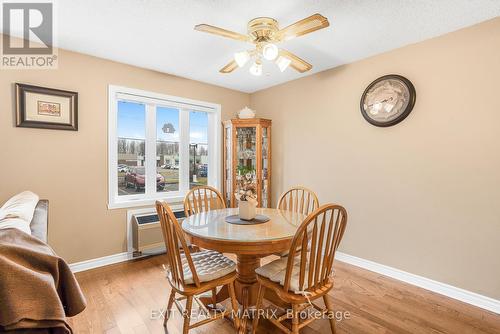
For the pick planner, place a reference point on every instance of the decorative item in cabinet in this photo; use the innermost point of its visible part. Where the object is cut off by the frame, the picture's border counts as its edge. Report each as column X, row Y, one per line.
column 247, row 150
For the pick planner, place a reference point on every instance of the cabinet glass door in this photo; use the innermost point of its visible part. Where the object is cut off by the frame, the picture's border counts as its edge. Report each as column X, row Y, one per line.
column 265, row 169
column 246, row 153
column 228, row 170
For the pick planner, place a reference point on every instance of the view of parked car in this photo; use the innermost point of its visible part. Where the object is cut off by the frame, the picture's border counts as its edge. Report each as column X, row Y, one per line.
column 203, row 170
column 122, row 168
column 135, row 177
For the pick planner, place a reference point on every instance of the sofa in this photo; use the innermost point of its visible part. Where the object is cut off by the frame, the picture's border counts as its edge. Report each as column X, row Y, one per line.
column 40, row 221
column 38, row 290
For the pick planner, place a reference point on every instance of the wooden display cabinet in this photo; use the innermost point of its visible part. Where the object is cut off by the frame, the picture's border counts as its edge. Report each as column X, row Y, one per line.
column 247, row 149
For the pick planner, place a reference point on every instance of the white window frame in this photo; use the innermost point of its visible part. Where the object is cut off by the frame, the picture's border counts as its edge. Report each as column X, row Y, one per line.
column 151, row 100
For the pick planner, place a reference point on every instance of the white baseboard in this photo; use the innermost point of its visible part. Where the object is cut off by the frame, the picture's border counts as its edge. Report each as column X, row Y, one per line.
column 112, row 259
column 465, row 296
column 100, row 262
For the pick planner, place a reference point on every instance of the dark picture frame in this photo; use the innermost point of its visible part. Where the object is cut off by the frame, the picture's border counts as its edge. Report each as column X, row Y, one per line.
column 404, row 114
column 46, row 107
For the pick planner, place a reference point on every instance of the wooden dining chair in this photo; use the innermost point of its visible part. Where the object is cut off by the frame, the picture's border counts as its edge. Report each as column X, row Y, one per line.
column 298, row 199
column 201, row 199
column 299, row 280
column 193, row 274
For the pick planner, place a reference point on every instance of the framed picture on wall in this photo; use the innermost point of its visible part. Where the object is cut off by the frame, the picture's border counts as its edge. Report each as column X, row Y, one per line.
column 46, row 108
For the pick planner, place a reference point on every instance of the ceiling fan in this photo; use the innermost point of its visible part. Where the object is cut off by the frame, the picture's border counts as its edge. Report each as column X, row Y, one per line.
column 264, row 32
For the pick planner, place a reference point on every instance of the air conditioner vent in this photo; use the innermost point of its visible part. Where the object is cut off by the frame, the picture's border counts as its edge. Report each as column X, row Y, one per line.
column 145, row 231
column 153, row 218
column 147, row 219
column 179, row 214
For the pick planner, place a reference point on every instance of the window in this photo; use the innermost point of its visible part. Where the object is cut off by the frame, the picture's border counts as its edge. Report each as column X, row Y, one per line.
column 167, row 148
column 198, row 148
column 131, row 147
column 160, row 146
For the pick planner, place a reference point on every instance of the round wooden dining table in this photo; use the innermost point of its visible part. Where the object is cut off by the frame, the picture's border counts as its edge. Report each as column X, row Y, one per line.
column 250, row 243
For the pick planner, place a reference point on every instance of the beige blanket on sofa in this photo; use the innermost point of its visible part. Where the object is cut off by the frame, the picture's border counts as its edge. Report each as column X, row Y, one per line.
column 37, row 288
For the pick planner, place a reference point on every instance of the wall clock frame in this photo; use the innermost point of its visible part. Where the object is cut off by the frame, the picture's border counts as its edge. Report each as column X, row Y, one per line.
column 405, row 99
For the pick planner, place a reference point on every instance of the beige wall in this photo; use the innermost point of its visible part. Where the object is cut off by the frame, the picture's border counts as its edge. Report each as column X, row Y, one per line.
column 422, row 196
column 70, row 168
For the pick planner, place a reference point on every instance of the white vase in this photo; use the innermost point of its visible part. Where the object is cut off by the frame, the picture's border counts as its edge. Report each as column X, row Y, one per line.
column 247, row 210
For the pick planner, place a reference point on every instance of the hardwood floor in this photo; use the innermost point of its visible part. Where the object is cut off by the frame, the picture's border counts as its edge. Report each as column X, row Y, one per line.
column 123, row 298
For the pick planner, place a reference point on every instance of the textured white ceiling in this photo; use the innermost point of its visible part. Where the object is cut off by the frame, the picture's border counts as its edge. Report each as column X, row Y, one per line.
column 159, row 35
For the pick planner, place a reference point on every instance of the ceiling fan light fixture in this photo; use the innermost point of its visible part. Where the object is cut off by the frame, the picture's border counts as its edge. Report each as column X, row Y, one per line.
column 241, row 58
column 256, row 69
column 283, row 63
column 270, row 51
column 264, row 33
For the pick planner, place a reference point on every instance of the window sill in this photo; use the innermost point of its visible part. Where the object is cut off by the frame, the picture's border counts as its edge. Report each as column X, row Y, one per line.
column 131, row 203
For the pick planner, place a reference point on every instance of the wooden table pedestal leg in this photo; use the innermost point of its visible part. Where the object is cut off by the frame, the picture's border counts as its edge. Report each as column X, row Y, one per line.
column 246, row 286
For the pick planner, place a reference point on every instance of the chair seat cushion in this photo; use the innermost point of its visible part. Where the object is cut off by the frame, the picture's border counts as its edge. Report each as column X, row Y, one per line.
column 209, row 265
column 276, row 271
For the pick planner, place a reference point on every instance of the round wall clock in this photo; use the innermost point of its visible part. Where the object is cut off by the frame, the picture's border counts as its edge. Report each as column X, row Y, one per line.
column 388, row 100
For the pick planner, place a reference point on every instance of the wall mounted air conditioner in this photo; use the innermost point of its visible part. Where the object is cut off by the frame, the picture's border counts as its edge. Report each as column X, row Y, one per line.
column 144, row 236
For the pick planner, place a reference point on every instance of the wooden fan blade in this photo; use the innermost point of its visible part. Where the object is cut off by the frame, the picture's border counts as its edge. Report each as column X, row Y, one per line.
column 222, row 32
column 302, row 27
column 297, row 63
column 231, row 66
